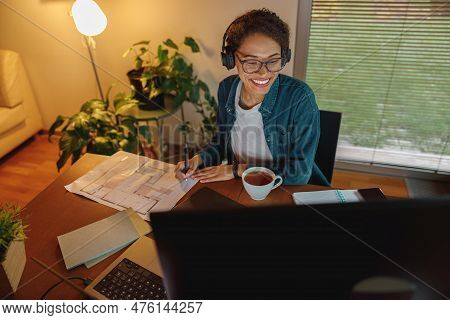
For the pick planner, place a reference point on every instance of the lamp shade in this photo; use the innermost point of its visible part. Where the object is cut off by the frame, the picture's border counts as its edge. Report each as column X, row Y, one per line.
column 89, row 18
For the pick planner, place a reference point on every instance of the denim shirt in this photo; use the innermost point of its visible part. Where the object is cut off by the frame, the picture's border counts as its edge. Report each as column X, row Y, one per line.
column 291, row 128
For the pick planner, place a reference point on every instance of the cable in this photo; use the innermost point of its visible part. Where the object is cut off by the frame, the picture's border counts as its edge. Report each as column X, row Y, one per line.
column 86, row 281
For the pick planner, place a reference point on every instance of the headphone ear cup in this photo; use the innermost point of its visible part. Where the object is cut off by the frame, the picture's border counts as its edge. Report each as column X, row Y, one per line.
column 286, row 55
column 227, row 58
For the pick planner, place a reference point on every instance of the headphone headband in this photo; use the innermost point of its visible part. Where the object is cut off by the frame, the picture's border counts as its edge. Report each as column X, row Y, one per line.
column 227, row 53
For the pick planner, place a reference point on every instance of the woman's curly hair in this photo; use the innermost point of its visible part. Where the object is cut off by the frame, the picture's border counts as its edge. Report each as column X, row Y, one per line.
column 258, row 21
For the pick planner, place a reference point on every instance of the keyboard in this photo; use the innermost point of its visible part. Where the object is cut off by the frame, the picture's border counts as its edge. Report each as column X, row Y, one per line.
column 130, row 281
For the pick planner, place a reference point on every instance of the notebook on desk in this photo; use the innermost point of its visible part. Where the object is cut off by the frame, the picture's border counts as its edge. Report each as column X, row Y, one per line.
column 337, row 196
column 93, row 243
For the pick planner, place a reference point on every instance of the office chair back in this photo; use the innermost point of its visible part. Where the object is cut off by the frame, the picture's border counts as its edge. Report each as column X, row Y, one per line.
column 330, row 123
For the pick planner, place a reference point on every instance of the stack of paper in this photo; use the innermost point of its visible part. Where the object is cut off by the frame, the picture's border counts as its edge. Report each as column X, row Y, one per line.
column 97, row 241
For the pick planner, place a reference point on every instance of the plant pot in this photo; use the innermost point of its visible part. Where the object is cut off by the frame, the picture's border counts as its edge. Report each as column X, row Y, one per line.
column 145, row 103
column 11, row 268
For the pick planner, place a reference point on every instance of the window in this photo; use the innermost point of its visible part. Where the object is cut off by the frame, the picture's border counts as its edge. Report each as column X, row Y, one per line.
column 386, row 66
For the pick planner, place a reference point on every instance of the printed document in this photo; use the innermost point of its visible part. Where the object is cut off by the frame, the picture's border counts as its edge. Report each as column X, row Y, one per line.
column 126, row 180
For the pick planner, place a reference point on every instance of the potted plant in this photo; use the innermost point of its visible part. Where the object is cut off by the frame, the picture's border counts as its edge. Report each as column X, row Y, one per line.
column 98, row 129
column 12, row 248
column 168, row 72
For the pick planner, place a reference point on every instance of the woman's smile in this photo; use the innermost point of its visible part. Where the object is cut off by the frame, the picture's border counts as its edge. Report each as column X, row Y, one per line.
column 261, row 83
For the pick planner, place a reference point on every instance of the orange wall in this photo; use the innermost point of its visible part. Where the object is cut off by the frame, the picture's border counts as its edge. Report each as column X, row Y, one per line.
column 57, row 61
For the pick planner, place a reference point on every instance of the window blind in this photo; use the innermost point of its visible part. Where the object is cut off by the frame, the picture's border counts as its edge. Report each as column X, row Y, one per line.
column 386, row 66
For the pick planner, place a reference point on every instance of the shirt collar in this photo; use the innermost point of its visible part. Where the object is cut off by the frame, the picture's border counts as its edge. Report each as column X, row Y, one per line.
column 237, row 99
column 267, row 104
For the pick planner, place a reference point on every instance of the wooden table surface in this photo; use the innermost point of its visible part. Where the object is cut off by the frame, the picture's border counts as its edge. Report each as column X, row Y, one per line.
column 56, row 211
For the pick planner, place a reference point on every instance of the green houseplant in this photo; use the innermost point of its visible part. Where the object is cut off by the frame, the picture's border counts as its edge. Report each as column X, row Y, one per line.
column 12, row 248
column 11, row 227
column 101, row 127
column 168, row 72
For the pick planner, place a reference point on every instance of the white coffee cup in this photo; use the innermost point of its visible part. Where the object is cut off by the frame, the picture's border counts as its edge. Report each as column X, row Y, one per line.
column 260, row 192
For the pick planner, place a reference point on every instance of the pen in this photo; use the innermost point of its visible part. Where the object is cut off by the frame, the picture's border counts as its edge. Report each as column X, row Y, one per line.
column 186, row 158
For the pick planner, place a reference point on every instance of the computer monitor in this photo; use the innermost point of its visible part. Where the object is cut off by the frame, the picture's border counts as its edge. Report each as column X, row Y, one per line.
column 304, row 252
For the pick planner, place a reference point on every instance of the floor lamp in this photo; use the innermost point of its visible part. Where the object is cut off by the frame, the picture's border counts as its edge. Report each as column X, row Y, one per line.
column 90, row 21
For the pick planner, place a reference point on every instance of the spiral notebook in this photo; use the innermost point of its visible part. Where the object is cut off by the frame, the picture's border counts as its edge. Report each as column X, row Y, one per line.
column 327, row 196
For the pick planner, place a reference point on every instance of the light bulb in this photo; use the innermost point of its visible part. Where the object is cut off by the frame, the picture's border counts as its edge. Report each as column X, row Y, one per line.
column 89, row 18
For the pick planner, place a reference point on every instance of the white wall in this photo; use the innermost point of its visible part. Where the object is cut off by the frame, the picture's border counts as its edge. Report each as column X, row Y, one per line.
column 57, row 61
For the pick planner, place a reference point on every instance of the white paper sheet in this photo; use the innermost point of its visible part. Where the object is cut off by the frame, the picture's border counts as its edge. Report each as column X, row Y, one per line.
column 126, row 180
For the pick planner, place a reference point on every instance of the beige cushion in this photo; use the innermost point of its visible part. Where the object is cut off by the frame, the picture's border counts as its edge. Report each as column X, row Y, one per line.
column 10, row 95
column 11, row 117
column 17, row 123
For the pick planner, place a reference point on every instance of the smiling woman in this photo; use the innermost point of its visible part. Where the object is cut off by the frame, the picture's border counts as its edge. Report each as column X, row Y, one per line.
column 264, row 118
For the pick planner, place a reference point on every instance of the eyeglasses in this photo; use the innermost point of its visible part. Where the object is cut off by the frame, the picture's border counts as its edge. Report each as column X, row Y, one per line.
column 254, row 66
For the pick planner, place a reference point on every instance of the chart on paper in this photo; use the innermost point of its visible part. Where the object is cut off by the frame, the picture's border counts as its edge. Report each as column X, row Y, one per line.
column 126, row 180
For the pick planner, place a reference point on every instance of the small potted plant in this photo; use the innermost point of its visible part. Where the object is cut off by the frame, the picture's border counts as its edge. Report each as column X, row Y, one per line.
column 98, row 129
column 12, row 248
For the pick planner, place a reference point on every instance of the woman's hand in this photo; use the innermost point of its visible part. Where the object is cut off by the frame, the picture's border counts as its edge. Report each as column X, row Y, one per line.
column 193, row 163
column 216, row 173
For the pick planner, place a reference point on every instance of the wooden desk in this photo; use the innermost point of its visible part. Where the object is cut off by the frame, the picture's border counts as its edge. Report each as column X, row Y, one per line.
column 56, row 211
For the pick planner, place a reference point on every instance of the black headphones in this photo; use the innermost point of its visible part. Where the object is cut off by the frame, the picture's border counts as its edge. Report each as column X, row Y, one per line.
column 227, row 53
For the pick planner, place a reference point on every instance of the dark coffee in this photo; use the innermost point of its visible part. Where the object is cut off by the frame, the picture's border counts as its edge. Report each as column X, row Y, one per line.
column 258, row 178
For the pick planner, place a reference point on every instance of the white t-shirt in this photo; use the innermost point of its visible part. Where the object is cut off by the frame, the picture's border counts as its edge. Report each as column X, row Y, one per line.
column 247, row 135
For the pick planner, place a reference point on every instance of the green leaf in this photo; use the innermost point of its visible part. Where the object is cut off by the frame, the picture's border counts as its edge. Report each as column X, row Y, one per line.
column 212, row 103
column 168, row 84
column 143, row 51
column 138, row 63
column 179, row 99
column 108, row 93
column 128, row 122
column 189, row 71
column 184, row 85
column 140, row 43
column 127, row 107
column 145, row 132
column 103, row 116
column 194, row 93
column 58, row 122
column 126, row 53
column 162, row 54
column 68, row 143
column 128, row 146
column 203, row 86
column 64, row 156
column 93, row 104
column 185, row 128
column 189, row 41
column 170, row 44
column 104, row 146
column 113, row 133
column 143, row 82
column 147, row 74
column 76, row 155
column 81, row 125
column 155, row 92
column 119, row 99
column 179, row 65
column 123, row 143
column 65, row 143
